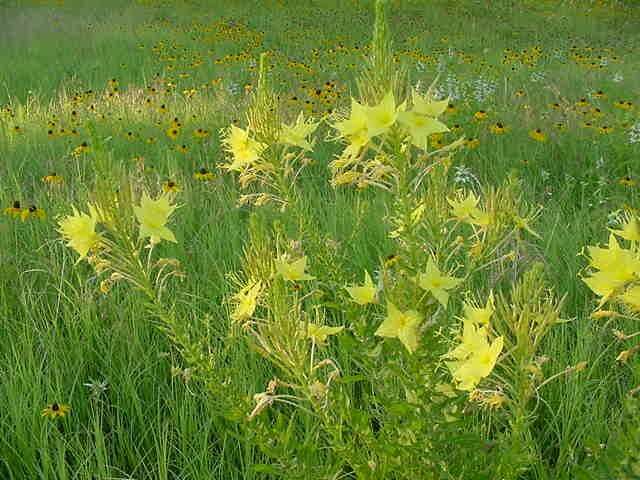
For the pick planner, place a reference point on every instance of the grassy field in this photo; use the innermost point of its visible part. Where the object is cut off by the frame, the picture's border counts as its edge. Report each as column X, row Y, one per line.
column 170, row 381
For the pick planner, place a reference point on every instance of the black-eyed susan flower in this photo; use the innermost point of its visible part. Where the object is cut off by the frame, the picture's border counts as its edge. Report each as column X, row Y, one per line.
column 170, row 186
column 183, row 148
column 627, row 181
column 53, row 179
column 204, row 175
column 599, row 94
column 538, row 135
column 480, row 115
column 15, row 210
column 173, row 132
column 451, row 108
column 80, row 149
column 605, row 130
column 498, row 128
column 472, row 143
column 153, row 216
column 33, row 212
column 56, row 410
column 623, row 105
column 201, row 133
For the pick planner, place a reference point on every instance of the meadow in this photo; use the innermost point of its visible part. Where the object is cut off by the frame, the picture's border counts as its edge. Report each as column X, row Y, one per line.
column 337, row 239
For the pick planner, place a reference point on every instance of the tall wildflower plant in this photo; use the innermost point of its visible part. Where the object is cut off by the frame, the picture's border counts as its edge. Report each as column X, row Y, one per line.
column 395, row 373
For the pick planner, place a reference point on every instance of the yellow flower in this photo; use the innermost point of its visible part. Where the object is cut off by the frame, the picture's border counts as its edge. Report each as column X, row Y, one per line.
column 632, row 298
column 15, row 210
column 363, row 294
column 420, row 127
column 170, row 186
column 468, row 373
column 498, row 128
column 630, row 229
column 79, row 230
column 245, row 151
column 297, row 133
column 56, row 410
column 538, row 135
column 427, row 107
column 204, row 175
column 401, row 325
column 432, row 280
column 247, row 299
column 53, row 179
column 464, row 209
column 474, row 338
column 319, row 333
column 293, row 271
column 479, row 315
column 381, row 117
column 153, row 216
column 354, row 129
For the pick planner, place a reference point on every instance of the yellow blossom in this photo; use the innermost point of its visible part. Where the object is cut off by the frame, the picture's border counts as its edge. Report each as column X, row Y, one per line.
column 153, row 216
column 247, row 299
column 297, row 133
column 363, row 294
column 401, row 325
column 319, row 333
column 79, row 230
column 432, row 280
column 293, row 271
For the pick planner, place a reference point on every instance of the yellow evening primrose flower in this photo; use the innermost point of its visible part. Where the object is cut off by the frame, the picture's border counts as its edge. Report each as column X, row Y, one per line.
column 420, row 127
column 296, row 134
column 381, row 117
column 319, row 333
column 474, row 339
column 432, row 280
column 153, row 216
column 620, row 263
column 245, row 151
column 630, row 229
column 479, row 315
column 293, row 271
column 427, row 107
column 363, row 294
column 356, row 124
column 79, row 230
column 401, row 325
column 467, row 374
column 604, row 284
column 632, row 298
column 464, row 209
column 247, row 299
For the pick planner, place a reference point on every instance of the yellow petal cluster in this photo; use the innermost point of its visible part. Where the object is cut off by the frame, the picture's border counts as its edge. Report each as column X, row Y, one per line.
column 363, row 294
column 293, row 271
column 79, row 230
column 244, row 150
column 432, row 280
column 401, row 325
column 475, row 357
column 614, row 268
column 153, row 216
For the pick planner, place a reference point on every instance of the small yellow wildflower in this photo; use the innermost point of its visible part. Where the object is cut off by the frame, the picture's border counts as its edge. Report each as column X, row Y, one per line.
column 296, row 134
column 319, row 333
column 401, row 325
column 432, row 280
column 363, row 294
column 79, row 230
column 293, row 271
column 247, row 299
column 56, row 410
column 153, row 216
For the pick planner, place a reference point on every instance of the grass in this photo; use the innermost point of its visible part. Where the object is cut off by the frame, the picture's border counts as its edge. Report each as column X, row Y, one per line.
column 63, row 337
